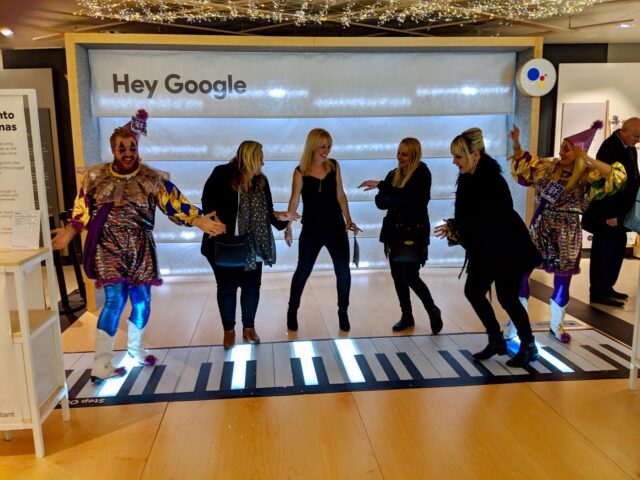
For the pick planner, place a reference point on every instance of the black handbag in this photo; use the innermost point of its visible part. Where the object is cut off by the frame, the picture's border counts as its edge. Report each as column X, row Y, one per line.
column 231, row 250
column 406, row 251
column 407, row 245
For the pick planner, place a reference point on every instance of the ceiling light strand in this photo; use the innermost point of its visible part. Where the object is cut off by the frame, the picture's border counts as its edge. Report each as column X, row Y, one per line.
column 310, row 12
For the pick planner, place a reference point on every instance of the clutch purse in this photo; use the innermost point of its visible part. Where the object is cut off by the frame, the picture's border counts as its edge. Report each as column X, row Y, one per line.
column 231, row 250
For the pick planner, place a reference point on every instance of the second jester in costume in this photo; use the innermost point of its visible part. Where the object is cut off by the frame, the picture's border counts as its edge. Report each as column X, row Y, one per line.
column 563, row 189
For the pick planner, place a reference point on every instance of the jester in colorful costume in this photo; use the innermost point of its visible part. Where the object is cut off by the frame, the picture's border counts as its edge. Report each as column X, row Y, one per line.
column 117, row 203
column 563, row 190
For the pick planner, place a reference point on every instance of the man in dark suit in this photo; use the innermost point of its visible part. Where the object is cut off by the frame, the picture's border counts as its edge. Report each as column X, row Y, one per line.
column 605, row 218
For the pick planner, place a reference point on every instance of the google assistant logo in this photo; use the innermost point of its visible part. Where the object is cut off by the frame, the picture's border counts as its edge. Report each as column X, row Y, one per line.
column 536, row 77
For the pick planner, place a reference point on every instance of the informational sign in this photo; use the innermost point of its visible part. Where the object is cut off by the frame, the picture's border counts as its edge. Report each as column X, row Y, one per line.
column 25, row 230
column 16, row 179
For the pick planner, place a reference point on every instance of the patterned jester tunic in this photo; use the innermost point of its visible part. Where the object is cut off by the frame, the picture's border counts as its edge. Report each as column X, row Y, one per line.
column 125, row 250
column 555, row 226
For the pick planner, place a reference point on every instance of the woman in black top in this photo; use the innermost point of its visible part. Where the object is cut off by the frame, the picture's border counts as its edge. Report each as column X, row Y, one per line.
column 405, row 194
column 497, row 243
column 239, row 194
column 325, row 223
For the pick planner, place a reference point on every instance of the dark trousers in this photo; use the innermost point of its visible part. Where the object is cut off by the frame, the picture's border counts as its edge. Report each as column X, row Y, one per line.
column 507, row 286
column 407, row 276
column 229, row 279
column 309, row 246
column 607, row 253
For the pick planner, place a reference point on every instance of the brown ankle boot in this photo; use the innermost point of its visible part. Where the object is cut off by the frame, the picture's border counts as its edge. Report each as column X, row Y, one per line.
column 250, row 335
column 229, row 339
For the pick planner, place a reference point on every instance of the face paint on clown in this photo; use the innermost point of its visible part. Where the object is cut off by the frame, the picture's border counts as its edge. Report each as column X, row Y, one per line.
column 125, row 155
column 568, row 153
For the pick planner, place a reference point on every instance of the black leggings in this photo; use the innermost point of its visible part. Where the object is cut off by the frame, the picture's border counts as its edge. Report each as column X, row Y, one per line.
column 507, row 287
column 310, row 244
column 407, row 276
column 229, row 279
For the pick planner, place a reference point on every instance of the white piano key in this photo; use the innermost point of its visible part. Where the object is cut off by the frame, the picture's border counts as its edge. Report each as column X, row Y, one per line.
column 600, row 338
column 386, row 346
column 282, row 364
column 574, row 355
column 444, row 342
column 189, row 377
column 326, row 350
column 368, row 349
column 70, row 360
column 145, row 373
column 265, row 375
column 217, row 358
column 83, row 363
column 424, row 353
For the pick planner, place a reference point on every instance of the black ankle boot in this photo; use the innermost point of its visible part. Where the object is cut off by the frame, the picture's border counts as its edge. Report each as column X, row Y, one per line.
column 406, row 321
column 497, row 346
column 528, row 353
column 292, row 319
column 343, row 319
column 435, row 318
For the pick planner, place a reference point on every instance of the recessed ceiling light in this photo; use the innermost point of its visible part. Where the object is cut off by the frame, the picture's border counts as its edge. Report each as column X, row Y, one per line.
column 625, row 25
column 6, row 31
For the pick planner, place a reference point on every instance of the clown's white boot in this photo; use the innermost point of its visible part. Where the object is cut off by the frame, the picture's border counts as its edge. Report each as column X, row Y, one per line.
column 509, row 330
column 556, row 323
column 102, row 366
column 134, row 346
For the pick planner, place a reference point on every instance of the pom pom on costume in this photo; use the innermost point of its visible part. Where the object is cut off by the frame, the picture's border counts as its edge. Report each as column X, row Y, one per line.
column 583, row 139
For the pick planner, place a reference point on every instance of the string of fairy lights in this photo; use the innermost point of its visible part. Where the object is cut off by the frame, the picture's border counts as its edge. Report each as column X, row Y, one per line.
column 344, row 12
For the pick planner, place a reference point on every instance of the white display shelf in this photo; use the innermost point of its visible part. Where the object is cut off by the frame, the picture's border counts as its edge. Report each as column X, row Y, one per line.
column 38, row 382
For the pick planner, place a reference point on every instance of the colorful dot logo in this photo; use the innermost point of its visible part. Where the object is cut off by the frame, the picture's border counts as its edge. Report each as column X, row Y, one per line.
column 536, row 77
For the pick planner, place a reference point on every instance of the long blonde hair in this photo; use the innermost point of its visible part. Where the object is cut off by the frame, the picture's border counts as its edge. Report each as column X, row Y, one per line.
column 401, row 178
column 315, row 138
column 579, row 169
column 247, row 162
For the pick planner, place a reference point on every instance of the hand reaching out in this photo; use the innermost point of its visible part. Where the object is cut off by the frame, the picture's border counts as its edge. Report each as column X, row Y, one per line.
column 61, row 237
column 514, row 135
column 210, row 224
column 369, row 185
column 287, row 216
column 441, row 231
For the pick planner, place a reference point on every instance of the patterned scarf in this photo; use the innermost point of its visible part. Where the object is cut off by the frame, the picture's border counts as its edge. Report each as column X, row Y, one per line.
column 253, row 219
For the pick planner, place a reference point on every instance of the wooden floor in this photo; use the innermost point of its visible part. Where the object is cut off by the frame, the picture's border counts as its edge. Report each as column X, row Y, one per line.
column 564, row 430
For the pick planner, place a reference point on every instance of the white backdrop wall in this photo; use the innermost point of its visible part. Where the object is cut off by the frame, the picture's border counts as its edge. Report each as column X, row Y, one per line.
column 368, row 102
column 595, row 83
column 599, row 82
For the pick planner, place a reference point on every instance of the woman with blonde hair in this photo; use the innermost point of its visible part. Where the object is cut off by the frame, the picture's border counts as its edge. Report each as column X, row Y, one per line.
column 405, row 195
column 239, row 193
column 325, row 223
column 564, row 187
column 496, row 241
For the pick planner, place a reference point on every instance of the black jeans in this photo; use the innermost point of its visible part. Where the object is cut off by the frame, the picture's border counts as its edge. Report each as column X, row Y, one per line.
column 310, row 244
column 229, row 279
column 607, row 253
column 507, row 287
column 407, row 276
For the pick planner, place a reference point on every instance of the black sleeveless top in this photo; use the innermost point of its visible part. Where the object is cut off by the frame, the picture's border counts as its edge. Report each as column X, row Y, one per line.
column 321, row 209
